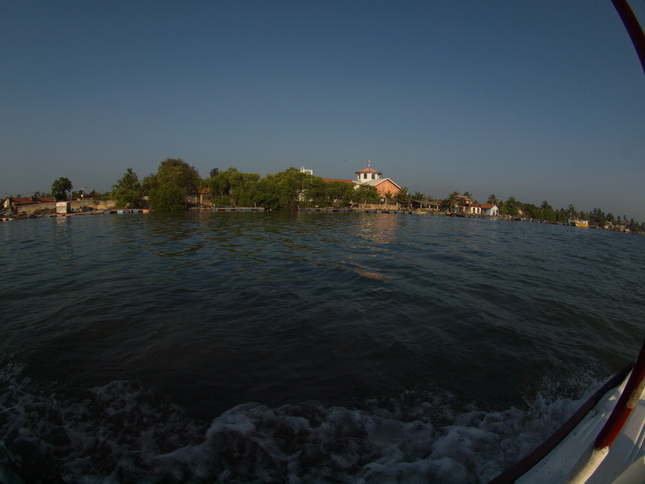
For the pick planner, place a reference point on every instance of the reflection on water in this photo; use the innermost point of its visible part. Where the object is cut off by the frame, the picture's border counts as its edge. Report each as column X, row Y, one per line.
column 63, row 245
column 378, row 228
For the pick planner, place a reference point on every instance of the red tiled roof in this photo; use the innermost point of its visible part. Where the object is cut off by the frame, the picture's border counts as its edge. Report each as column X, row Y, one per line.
column 203, row 191
column 49, row 200
column 337, row 180
column 367, row 170
column 375, row 183
column 22, row 201
column 487, row 205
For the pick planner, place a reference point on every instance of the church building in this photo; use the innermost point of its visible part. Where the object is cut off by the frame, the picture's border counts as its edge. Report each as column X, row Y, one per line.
column 370, row 176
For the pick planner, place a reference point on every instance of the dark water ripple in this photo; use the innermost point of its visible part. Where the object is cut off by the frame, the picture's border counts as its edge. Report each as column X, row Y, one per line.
column 214, row 310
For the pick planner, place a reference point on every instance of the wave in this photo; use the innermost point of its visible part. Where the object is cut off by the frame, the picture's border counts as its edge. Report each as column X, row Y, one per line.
column 123, row 432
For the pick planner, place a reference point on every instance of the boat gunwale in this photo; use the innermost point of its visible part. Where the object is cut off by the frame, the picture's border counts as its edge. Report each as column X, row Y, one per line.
column 528, row 462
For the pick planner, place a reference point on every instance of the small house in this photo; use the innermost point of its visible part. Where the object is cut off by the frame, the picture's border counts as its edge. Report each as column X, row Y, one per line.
column 489, row 209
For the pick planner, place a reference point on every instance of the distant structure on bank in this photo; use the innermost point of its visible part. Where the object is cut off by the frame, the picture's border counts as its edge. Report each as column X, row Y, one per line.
column 385, row 187
column 370, row 176
column 367, row 174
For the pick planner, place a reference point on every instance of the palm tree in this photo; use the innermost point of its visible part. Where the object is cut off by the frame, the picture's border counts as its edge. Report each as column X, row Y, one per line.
column 452, row 200
column 511, row 206
column 492, row 198
column 403, row 198
column 572, row 211
column 388, row 199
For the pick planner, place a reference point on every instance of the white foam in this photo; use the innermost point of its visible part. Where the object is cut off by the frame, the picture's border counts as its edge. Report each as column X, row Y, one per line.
column 123, row 432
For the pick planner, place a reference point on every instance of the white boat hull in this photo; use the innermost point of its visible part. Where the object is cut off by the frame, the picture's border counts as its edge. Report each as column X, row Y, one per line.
column 624, row 462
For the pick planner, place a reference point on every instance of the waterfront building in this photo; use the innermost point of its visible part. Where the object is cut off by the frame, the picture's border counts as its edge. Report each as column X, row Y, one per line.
column 370, row 176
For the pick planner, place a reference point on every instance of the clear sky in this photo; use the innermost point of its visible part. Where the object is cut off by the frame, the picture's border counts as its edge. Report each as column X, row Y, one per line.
column 540, row 99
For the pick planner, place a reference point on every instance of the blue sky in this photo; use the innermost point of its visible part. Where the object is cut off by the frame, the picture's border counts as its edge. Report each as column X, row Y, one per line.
column 532, row 99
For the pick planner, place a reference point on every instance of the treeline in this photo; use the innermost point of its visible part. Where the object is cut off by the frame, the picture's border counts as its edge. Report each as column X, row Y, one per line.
column 546, row 213
column 171, row 188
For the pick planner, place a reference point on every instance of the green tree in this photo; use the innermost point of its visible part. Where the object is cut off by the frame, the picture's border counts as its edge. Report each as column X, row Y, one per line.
column 127, row 191
column 492, row 198
column 573, row 213
column 221, row 186
column 544, row 212
column 61, row 188
column 169, row 198
column 389, row 198
column 176, row 172
column 232, row 187
column 562, row 216
column 94, row 195
column 148, row 184
column 597, row 217
column 174, row 181
column 291, row 189
column 511, row 206
column 317, row 193
column 338, row 194
column 286, row 189
column 129, row 181
column 403, row 198
column 243, row 191
column 366, row 194
column 451, row 201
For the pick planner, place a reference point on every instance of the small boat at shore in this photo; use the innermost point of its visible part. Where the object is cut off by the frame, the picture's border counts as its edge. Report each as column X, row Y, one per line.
column 579, row 223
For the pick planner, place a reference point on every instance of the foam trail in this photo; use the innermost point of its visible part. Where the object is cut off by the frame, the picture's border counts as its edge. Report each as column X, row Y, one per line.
column 123, row 432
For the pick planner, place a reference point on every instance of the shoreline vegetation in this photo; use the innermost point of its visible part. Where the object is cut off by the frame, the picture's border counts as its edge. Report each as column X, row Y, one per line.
column 177, row 186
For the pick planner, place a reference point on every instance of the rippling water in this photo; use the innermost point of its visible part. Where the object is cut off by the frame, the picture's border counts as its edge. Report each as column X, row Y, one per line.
column 275, row 347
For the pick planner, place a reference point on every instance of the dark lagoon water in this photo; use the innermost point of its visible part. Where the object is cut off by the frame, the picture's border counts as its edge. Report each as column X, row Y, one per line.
column 301, row 347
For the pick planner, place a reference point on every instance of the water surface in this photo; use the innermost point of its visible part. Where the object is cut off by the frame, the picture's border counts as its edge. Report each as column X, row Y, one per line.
column 302, row 347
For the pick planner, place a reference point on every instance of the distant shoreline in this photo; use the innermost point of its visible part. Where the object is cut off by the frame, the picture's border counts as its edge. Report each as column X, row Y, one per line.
column 422, row 213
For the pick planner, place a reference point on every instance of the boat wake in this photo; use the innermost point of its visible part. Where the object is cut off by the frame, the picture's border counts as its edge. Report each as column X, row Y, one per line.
column 124, row 432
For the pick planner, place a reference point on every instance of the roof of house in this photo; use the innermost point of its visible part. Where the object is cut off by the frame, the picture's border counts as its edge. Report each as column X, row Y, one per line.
column 488, row 205
column 337, row 180
column 375, row 183
column 19, row 201
column 22, row 201
column 203, row 191
column 368, row 170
